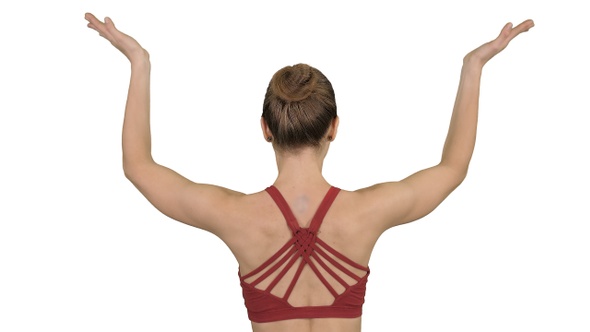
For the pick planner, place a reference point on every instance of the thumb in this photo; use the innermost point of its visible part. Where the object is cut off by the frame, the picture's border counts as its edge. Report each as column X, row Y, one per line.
column 108, row 22
column 506, row 30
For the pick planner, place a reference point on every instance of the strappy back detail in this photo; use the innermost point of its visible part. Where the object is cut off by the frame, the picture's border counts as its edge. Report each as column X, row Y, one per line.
column 306, row 247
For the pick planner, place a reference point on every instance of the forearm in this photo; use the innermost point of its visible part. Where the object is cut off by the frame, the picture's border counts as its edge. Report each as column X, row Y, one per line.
column 461, row 137
column 460, row 140
column 136, row 125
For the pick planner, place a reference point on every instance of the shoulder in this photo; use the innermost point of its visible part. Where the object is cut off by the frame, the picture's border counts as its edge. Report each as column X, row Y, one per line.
column 393, row 203
column 375, row 208
column 244, row 213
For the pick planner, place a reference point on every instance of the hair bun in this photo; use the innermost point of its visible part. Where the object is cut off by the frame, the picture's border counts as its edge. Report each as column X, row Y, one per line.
column 299, row 107
column 294, row 83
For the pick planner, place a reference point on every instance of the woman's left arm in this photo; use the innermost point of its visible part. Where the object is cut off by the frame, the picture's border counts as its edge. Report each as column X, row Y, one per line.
column 195, row 204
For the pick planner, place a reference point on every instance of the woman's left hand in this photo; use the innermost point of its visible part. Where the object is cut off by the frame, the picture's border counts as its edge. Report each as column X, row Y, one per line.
column 124, row 43
column 487, row 51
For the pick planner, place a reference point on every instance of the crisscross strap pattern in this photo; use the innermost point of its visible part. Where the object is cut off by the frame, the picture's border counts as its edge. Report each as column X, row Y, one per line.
column 311, row 251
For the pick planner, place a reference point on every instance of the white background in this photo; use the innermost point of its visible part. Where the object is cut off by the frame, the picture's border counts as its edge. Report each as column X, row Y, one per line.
column 82, row 250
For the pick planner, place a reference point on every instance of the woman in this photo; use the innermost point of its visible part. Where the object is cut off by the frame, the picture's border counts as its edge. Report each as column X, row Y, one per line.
column 303, row 246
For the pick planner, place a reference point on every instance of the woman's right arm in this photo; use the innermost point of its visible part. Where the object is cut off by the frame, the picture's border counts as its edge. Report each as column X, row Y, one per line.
column 414, row 197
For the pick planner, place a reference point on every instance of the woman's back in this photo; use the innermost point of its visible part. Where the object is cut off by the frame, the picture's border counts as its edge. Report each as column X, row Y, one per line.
column 331, row 267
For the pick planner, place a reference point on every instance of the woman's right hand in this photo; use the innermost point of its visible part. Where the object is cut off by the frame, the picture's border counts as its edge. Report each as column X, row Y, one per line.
column 124, row 43
column 481, row 55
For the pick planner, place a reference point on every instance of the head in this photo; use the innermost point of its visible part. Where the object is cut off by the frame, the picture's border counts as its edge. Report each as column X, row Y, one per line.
column 299, row 109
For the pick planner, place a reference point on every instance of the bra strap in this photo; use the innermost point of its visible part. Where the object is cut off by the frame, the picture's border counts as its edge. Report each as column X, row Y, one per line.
column 319, row 215
column 316, row 222
column 284, row 207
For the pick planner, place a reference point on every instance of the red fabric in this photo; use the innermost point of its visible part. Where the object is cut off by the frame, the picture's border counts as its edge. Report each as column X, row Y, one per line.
column 264, row 307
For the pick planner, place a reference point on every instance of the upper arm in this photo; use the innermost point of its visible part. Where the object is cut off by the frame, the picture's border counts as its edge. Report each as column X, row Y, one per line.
column 412, row 198
column 200, row 205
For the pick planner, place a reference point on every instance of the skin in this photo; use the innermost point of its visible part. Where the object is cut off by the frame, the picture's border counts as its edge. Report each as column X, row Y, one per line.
column 253, row 227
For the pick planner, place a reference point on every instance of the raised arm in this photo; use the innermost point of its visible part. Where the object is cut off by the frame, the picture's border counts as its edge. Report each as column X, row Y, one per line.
column 396, row 203
column 177, row 197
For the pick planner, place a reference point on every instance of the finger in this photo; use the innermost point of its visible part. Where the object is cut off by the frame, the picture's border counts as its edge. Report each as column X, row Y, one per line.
column 94, row 23
column 110, row 25
column 95, row 29
column 517, row 30
column 107, row 26
column 506, row 29
column 111, row 30
column 523, row 27
column 91, row 26
column 100, row 27
column 509, row 32
column 92, row 19
column 505, row 32
column 109, row 22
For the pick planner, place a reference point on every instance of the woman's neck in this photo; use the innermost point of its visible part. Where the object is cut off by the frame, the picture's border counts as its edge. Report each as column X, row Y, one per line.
column 300, row 169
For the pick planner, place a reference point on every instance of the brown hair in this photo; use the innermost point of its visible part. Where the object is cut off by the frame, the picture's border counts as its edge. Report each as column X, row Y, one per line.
column 299, row 106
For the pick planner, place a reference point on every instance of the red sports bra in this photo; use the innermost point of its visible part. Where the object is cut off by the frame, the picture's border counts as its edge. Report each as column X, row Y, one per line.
column 320, row 257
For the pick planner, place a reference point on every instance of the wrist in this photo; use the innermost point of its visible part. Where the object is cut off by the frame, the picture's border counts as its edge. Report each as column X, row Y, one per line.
column 140, row 58
column 472, row 65
column 471, row 60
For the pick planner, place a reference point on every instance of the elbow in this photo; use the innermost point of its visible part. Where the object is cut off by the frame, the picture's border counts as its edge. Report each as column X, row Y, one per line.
column 133, row 170
column 460, row 177
column 456, row 173
column 130, row 172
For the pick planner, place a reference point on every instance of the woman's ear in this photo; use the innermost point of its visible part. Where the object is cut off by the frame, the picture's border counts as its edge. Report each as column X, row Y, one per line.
column 265, row 130
column 333, row 130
